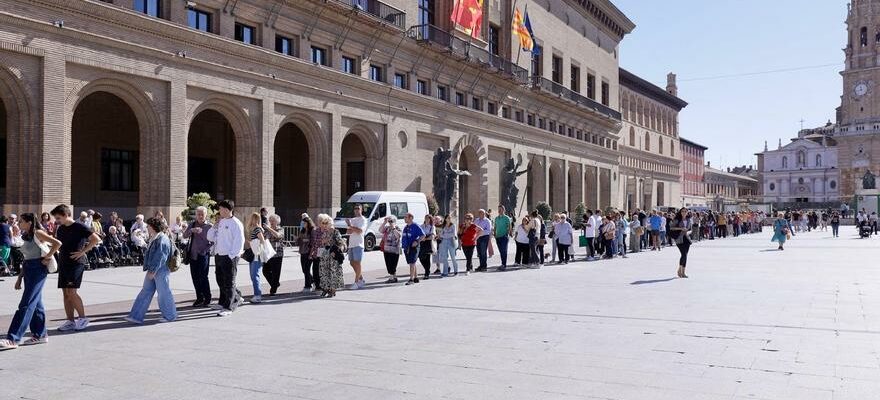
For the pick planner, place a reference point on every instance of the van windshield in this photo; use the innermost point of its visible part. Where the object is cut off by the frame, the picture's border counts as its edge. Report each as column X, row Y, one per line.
column 347, row 210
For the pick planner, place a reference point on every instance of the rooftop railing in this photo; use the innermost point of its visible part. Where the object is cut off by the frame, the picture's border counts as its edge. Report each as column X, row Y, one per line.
column 378, row 10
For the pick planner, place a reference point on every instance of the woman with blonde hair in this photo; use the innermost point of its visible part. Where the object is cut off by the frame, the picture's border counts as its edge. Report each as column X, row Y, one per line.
column 331, row 252
column 255, row 227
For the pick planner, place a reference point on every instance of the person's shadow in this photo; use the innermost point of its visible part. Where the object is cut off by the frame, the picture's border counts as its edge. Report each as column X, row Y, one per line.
column 652, row 281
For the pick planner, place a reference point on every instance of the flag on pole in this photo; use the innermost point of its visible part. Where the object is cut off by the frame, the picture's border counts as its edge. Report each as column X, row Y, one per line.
column 467, row 15
column 520, row 29
column 528, row 24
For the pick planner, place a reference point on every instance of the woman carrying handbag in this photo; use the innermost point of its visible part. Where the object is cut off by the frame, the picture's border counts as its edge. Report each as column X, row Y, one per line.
column 39, row 249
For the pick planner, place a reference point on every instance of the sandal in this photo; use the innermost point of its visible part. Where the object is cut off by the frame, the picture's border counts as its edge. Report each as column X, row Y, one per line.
column 7, row 344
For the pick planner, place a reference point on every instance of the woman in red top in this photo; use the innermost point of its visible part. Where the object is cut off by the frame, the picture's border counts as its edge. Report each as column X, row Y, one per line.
column 469, row 234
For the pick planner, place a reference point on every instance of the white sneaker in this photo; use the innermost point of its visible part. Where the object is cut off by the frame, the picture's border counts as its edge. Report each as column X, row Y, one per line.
column 256, row 299
column 224, row 313
column 133, row 321
column 361, row 283
column 307, row 289
column 81, row 323
column 67, row 326
column 163, row 320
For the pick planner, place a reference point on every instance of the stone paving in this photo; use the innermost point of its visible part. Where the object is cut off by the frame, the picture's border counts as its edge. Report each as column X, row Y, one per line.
column 750, row 323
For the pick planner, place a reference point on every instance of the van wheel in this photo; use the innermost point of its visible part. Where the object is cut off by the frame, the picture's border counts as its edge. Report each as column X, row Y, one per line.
column 370, row 242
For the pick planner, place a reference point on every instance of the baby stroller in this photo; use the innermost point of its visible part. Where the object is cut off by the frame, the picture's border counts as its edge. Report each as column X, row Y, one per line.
column 865, row 230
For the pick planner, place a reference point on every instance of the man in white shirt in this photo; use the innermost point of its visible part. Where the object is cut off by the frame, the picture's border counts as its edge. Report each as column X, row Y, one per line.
column 590, row 234
column 228, row 238
column 483, row 240
column 355, row 232
column 597, row 239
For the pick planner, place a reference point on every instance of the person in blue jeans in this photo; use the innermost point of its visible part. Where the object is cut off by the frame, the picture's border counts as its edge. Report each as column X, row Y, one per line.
column 30, row 312
column 502, row 229
column 409, row 241
column 158, row 278
column 448, row 243
column 485, row 225
column 258, row 235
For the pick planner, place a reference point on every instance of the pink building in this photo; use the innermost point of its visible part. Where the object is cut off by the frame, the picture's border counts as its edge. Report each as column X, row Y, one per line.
column 693, row 186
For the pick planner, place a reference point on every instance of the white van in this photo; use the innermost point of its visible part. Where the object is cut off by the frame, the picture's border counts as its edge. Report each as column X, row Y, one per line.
column 378, row 205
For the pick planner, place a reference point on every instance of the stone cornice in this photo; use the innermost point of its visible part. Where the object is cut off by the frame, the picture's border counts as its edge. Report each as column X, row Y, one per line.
column 605, row 15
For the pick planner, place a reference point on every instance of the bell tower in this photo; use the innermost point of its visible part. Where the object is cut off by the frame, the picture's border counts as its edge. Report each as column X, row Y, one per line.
column 860, row 101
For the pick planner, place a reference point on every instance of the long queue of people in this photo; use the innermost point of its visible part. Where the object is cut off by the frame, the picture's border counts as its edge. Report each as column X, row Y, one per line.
column 75, row 245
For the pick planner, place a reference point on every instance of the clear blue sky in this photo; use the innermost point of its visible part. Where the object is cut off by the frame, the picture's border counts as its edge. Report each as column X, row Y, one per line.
column 699, row 39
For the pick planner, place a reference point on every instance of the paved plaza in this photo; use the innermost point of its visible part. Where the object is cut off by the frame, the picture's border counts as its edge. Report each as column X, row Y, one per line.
column 750, row 323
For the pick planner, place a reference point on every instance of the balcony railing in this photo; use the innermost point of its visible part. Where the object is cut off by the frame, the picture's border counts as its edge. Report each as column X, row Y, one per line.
column 468, row 51
column 378, row 10
column 547, row 85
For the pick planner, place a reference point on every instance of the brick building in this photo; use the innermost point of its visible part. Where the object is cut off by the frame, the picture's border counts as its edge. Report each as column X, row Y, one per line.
column 693, row 166
column 131, row 105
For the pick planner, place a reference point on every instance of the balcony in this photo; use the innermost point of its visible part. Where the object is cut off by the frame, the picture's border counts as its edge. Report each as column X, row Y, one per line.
column 378, row 10
column 467, row 51
column 544, row 84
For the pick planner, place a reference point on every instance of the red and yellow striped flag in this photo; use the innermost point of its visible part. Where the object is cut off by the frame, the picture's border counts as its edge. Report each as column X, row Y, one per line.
column 468, row 16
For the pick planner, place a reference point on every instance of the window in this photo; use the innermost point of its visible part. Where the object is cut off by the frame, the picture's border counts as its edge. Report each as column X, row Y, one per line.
column 319, row 55
column 801, row 159
column 152, row 8
column 552, row 126
column 606, row 93
column 376, row 73
column 477, row 103
column 493, row 40
column 491, row 108
column 399, row 210
column 459, row 99
column 400, row 80
column 580, row 135
column 660, row 144
column 833, row 184
column 672, row 148
column 119, row 170
column 538, row 61
column 647, row 141
column 442, row 93
column 518, row 116
column 284, row 45
column 575, row 79
column 350, row 66
column 530, row 119
column 505, row 112
column 591, row 86
column 784, row 162
column 426, row 12
column 198, row 19
column 422, row 87
column 800, row 181
column 556, row 73
column 818, row 160
column 542, row 123
column 245, row 34
column 863, row 36
column 632, row 136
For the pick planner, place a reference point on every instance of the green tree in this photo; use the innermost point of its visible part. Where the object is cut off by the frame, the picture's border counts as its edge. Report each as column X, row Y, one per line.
column 544, row 209
column 578, row 218
column 196, row 200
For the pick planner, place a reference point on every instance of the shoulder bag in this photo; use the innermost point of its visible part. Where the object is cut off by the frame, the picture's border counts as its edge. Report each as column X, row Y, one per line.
column 44, row 250
column 174, row 260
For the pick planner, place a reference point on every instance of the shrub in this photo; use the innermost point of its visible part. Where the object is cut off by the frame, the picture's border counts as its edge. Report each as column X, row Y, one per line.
column 578, row 218
column 196, row 200
column 433, row 207
column 544, row 209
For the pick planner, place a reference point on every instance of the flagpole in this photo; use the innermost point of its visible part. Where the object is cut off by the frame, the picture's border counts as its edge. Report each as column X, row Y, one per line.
column 519, row 53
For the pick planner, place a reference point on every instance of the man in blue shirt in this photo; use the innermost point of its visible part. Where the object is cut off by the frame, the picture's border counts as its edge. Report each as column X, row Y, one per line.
column 412, row 235
column 656, row 220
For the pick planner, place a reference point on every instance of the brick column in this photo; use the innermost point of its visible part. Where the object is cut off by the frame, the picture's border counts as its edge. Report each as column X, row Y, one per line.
column 56, row 134
column 174, row 191
column 335, row 157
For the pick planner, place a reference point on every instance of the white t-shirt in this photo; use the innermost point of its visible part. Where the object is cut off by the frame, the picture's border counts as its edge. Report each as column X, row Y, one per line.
column 357, row 239
column 590, row 231
column 662, row 224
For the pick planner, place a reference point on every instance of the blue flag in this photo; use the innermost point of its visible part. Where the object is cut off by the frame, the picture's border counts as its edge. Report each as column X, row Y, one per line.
column 536, row 50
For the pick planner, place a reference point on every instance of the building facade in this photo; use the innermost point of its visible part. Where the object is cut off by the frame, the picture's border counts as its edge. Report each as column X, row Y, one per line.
column 133, row 105
column 803, row 171
column 650, row 156
column 725, row 188
column 857, row 130
column 693, row 187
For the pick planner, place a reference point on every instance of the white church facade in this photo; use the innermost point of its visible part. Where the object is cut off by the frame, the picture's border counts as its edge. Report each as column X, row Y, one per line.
column 803, row 171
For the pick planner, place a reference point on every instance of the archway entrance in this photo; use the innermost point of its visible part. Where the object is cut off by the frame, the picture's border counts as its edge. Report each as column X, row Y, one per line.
column 468, row 186
column 211, row 156
column 557, row 188
column 105, row 155
column 354, row 166
column 292, row 174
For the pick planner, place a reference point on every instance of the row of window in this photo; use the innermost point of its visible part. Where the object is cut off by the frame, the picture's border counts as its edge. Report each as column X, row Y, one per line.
column 832, row 184
column 644, row 113
column 556, row 65
column 802, row 160
column 647, row 144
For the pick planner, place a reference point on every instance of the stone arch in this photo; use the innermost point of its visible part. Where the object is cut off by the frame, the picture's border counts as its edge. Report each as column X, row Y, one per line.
column 373, row 157
column 317, row 181
column 22, row 185
column 150, row 137
column 248, row 175
column 472, row 145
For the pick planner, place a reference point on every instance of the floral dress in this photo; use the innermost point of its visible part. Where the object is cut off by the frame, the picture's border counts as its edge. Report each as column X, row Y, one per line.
column 330, row 270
